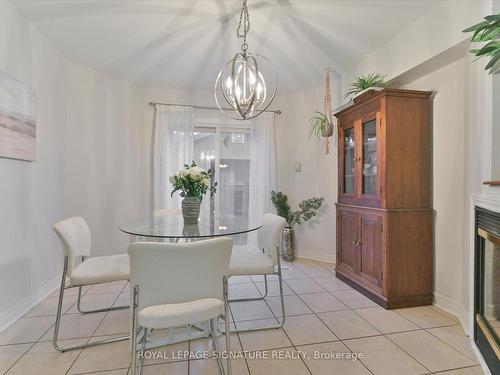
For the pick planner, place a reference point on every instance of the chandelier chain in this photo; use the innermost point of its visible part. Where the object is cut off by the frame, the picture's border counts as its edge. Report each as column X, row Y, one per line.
column 244, row 23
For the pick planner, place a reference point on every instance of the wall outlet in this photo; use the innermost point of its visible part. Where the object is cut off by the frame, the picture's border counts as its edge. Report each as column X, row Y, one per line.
column 298, row 167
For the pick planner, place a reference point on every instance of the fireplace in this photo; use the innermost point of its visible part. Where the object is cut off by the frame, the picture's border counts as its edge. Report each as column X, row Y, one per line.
column 487, row 287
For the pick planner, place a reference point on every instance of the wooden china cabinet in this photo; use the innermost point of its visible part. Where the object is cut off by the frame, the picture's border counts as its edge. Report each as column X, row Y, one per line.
column 384, row 209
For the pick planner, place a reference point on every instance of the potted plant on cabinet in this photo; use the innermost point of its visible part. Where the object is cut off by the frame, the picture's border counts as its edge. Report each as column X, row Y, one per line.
column 193, row 183
column 307, row 210
column 365, row 85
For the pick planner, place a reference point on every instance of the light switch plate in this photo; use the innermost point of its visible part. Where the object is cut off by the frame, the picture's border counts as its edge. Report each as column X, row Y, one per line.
column 298, row 167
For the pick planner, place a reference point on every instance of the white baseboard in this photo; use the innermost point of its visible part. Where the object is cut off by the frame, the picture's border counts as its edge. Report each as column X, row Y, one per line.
column 454, row 308
column 27, row 303
column 316, row 255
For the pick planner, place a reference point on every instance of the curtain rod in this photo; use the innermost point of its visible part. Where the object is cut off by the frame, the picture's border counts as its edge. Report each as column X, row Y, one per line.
column 277, row 111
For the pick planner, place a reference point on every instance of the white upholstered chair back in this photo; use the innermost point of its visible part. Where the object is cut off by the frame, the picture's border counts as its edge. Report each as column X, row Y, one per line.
column 174, row 273
column 269, row 235
column 76, row 239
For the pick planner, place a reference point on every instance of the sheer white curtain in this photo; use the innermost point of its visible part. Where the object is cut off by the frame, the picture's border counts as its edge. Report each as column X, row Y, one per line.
column 262, row 166
column 173, row 147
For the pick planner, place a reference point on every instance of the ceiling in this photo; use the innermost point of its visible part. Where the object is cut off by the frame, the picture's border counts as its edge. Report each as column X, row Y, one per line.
column 185, row 43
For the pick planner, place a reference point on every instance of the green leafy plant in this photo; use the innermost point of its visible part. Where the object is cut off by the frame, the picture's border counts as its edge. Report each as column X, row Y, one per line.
column 487, row 31
column 193, row 181
column 365, row 82
column 320, row 126
column 307, row 208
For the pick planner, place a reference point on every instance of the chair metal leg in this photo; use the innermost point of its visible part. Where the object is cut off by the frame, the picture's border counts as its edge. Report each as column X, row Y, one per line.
column 59, row 316
column 226, row 324
column 133, row 366
column 106, row 309
column 262, row 296
column 282, row 300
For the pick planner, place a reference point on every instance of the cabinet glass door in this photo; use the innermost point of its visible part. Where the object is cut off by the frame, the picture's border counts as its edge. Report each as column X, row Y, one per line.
column 349, row 162
column 369, row 166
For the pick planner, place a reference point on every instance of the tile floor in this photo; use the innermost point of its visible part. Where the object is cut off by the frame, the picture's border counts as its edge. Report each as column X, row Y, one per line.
column 324, row 315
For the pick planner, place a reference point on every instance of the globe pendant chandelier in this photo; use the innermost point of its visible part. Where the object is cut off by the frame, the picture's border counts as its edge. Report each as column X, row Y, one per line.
column 241, row 92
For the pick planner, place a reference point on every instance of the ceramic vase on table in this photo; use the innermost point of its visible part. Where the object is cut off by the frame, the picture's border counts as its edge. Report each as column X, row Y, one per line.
column 288, row 244
column 191, row 210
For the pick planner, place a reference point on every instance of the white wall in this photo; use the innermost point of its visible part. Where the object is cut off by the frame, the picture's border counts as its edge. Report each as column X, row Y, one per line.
column 31, row 193
column 315, row 239
column 448, row 166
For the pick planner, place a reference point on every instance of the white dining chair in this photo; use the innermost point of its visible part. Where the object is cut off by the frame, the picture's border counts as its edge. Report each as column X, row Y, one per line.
column 80, row 269
column 178, row 284
column 263, row 259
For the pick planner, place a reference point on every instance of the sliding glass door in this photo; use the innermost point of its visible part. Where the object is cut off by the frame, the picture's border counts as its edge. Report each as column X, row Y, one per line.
column 227, row 150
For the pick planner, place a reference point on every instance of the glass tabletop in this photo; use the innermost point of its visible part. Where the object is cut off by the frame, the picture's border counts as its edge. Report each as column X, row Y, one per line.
column 172, row 226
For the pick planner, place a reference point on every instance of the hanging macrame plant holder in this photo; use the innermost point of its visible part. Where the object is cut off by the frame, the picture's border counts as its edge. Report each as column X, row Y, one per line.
column 329, row 128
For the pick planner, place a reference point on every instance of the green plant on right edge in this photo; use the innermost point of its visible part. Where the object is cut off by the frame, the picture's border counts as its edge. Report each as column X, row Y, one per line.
column 487, row 31
column 363, row 82
column 307, row 208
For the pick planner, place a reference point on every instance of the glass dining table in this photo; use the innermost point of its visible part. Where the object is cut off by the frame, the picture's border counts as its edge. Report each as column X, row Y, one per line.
column 170, row 227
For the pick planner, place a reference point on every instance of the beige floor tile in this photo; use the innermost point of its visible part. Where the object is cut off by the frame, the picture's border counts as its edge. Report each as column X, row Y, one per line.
column 260, row 278
column 329, row 366
column 292, row 274
column 273, row 289
column 250, row 310
column 243, row 291
column 211, row 367
column 322, row 302
column 104, row 357
column 353, row 299
column 240, row 280
column 76, row 326
column 430, row 351
column 206, row 344
column 332, row 284
column 293, row 306
column 123, row 371
column 68, row 292
column 455, row 337
column 276, row 366
column 9, row 354
column 300, row 286
column 114, row 287
column 43, row 356
column 95, row 301
column 115, row 322
column 264, row 339
column 26, row 330
column 257, row 324
column 123, row 299
column 426, row 317
column 382, row 357
column 386, row 321
column 476, row 370
column 167, row 353
column 49, row 306
column 347, row 325
column 307, row 329
column 317, row 271
column 174, row 368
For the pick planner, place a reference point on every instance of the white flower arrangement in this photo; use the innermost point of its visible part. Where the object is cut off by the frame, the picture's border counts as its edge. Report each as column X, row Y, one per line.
column 193, row 181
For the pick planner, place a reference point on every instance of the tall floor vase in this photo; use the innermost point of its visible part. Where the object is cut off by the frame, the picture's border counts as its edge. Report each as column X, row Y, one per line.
column 288, row 244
